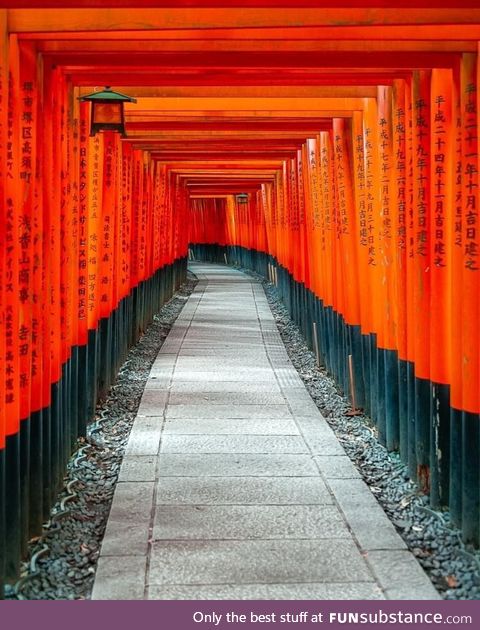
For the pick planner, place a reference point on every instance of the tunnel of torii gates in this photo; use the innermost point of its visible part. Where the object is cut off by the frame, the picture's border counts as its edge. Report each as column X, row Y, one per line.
column 354, row 132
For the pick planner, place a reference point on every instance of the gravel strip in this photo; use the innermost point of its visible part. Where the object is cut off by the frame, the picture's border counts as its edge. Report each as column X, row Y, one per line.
column 453, row 567
column 62, row 563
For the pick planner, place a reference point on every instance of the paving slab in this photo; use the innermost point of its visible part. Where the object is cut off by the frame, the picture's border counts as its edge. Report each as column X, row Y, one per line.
column 203, row 333
column 203, row 410
column 166, row 360
column 336, row 591
column 301, row 404
column 235, row 465
column 163, row 369
column 158, row 381
column 154, row 401
column 288, row 377
column 129, row 521
column 322, row 444
column 400, row 576
column 120, row 577
column 369, row 523
column 220, row 346
column 242, row 491
column 222, row 363
column 238, row 426
column 336, row 467
column 144, row 438
column 232, row 386
column 206, row 376
column 224, row 398
column 219, row 352
column 261, row 561
column 233, row 485
column 233, row 444
column 153, row 396
column 218, row 356
column 138, row 468
column 240, row 522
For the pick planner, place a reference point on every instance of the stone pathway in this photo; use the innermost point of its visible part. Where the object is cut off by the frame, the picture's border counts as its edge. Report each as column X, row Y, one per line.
column 233, row 485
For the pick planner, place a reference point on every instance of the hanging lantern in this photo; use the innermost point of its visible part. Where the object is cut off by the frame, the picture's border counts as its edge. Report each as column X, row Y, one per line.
column 242, row 198
column 107, row 110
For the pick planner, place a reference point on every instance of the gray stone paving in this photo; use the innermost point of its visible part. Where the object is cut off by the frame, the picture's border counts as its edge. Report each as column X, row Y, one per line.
column 233, row 485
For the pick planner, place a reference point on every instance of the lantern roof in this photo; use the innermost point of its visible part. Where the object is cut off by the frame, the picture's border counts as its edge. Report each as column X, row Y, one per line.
column 108, row 95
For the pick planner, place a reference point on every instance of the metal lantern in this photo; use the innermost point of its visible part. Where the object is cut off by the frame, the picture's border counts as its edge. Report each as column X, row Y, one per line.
column 242, row 198
column 107, row 110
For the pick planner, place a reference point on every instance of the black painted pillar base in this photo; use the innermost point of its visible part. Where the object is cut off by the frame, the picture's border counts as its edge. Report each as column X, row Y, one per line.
column 470, row 478
column 455, row 478
column 439, row 444
column 412, row 452
column 13, row 546
column 64, row 417
column 403, row 410
column 82, row 390
column 24, row 481
column 422, row 432
column 35, row 511
column 355, row 349
column 105, row 335
column 56, row 436
column 73, row 399
column 391, row 400
column 373, row 369
column 47, row 462
column 3, row 534
column 380, row 386
column 92, row 368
